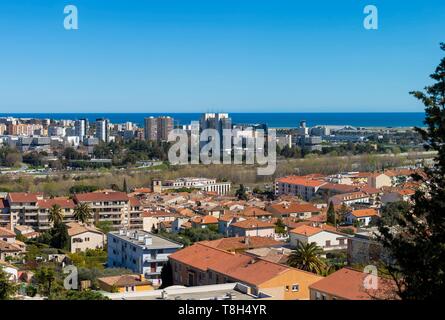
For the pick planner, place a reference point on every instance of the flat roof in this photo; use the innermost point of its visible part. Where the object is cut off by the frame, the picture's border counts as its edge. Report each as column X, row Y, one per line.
column 227, row 291
column 157, row 241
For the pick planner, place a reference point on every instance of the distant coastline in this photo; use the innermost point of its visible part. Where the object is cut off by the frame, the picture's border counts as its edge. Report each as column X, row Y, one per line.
column 273, row 120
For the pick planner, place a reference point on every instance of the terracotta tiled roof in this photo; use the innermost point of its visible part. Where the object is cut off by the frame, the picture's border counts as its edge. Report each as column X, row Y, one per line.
column 17, row 197
column 64, row 203
column 242, row 243
column 75, row 228
column 3, row 204
column 205, row 220
column 8, row 247
column 240, row 267
column 406, row 192
column 301, row 181
column 101, row 196
column 254, row 212
column 306, row 230
column 253, row 224
column 348, row 284
column 5, row 233
column 341, row 188
column 364, row 213
column 293, row 207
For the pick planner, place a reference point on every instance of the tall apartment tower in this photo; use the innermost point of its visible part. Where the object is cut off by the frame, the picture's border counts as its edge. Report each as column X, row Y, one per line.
column 102, row 130
column 165, row 125
column 157, row 129
column 150, row 129
column 217, row 121
column 81, row 128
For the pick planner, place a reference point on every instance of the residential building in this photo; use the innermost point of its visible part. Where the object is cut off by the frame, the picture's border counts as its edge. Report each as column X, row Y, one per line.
column 83, row 237
column 364, row 249
column 349, row 199
column 379, row 180
column 298, row 186
column 150, row 129
column 326, row 238
column 140, row 251
column 44, row 206
column 203, row 222
column 350, row 284
column 102, row 130
column 293, row 210
column 252, row 228
column 399, row 195
column 24, row 209
column 204, row 184
column 363, row 216
column 107, row 206
column 125, row 283
column 199, row 265
column 81, row 128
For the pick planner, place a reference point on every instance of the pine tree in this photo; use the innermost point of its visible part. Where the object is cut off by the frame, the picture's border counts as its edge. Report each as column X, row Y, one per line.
column 417, row 242
column 331, row 215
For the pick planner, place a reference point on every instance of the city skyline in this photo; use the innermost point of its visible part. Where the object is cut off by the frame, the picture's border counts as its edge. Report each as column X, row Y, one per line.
column 262, row 56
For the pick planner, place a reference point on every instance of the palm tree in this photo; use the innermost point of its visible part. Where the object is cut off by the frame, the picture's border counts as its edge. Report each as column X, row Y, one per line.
column 82, row 212
column 307, row 257
column 55, row 214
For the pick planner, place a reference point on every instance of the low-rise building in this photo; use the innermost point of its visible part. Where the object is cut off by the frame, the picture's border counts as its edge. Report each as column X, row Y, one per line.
column 327, row 239
column 125, row 283
column 252, row 228
column 84, row 237
column 305, row 188
column 350, row 284
column 140, row 251
column 363, row 216
column 200, row 265
column 293, row 210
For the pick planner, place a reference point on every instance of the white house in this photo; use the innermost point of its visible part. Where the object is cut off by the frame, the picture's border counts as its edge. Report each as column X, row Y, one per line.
column 10, row 270
column 83, row 237
column 326, row 239
column 363, row 216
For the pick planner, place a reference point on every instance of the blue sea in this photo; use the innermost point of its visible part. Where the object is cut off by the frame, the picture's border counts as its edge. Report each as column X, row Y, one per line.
column 273, row 120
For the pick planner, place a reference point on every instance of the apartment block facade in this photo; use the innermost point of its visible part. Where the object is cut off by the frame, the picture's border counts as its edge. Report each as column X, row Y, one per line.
column 140, row 251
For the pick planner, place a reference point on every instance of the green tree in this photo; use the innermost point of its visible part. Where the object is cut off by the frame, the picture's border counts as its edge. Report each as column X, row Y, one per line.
column 59, row 236
column 166, row 275
column 331, row 215
column 307, row 257
column 55, row 214
column 82, row 213
column 7, row 288
column 393, row 211
column 45, row 277
column 241, row 193
column 417, row 243
column 280, row 227
column 104, row 226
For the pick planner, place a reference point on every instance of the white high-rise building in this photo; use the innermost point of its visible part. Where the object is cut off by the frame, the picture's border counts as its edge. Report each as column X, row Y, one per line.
column 102, row 130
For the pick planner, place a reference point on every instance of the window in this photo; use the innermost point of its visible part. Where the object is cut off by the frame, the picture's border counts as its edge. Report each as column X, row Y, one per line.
column 328, row 243
column 286, row 288
column 295, row 287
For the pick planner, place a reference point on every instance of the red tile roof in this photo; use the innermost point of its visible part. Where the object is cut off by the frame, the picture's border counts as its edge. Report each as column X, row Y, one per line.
column 349, row 284
column 205, row 220
column 293, row 207
column 101, row 196
column 6, row 233
column 239, row 267
column 64, row 203
column 17, row 197
column 302, row 181
column 242, row 243
column 250, row 224
column 364, row 213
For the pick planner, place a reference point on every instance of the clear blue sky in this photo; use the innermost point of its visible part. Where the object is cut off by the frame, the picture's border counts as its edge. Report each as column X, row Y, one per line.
column 217, row 55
